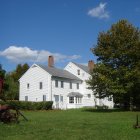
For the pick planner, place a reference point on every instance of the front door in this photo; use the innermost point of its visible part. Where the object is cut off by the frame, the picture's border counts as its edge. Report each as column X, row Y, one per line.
column 56, row 101
column 61, row 102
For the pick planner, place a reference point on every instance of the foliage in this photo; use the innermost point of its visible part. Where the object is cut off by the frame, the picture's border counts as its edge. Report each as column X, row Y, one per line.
column 78, row 124
column 2, row 72
column 26, row 105
column 3, row 85
column 11, row 79
column 13, row 90
column 117, row 71
column 20, row 70
column 8, row 116
column 101, row 107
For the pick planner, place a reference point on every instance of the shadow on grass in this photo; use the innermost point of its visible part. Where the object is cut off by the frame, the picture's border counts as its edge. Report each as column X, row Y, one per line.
column 104, row 110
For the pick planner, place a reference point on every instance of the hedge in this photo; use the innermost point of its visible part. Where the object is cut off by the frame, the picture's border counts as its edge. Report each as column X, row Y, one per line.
column 26, row 105
column 101, row 107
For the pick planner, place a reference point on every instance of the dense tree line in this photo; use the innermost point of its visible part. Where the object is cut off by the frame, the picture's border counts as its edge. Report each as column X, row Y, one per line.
column 117, row 72
column 9, row 85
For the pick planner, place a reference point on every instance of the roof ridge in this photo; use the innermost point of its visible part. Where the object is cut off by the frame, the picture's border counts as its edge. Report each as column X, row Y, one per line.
column 45, row 66
column 79, row 64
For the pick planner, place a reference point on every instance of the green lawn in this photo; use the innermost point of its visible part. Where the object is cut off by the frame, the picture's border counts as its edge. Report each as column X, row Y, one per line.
column 78, row 124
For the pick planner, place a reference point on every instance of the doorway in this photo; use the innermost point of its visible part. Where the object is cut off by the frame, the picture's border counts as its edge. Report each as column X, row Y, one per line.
column 56, row 101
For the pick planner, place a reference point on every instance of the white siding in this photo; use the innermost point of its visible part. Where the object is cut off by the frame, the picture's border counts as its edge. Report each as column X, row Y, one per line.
column 64, row 91
column 34, row 76
column 72, row 68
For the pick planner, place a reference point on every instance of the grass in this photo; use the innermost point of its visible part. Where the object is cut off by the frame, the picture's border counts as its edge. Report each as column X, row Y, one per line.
column 80, row 124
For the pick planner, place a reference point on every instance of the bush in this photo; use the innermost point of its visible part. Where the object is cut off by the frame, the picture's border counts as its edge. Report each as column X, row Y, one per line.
column 101, row 107
column 24, row 105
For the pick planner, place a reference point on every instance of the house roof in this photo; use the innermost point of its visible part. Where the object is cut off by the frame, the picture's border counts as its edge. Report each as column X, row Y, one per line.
column 75, row 94
column 83, row 67
column 59, row 73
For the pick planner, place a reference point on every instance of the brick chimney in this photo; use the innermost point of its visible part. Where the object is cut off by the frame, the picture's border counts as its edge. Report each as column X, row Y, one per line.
column 90, row 65
column 50, row 61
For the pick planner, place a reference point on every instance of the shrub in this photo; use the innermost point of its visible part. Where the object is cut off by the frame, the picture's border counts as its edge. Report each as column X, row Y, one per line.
column 24, row 105
column 101, row 107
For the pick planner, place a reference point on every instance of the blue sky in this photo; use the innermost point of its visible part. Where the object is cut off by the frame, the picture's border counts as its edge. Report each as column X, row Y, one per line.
column 30, row 30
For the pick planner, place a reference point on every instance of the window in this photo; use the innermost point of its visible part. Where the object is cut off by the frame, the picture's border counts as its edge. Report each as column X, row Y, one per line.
column 78, row 72
column 89, row 95
column 61, row 98
column 28, row 85
column 40, row 85
column 56, row 83
column 56, row 98
column 70, row 85
column 77, row 85
column 78, row 100
column 44, row 97
column 71, row 100
column 26, row 98
column 62, row 84
column 110, row 98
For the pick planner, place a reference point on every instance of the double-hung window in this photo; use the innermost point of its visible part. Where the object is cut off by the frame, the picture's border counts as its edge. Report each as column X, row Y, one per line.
column 56, row 83
column 78, row 72
column 77, row 85
column 40, row 85
column 70, row 85
column 44, row 97
column 62, row 84
column 28, row 85
column 61, row 98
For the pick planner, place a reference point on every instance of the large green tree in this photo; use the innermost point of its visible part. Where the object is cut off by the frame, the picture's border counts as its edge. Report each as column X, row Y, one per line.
column 117, row 71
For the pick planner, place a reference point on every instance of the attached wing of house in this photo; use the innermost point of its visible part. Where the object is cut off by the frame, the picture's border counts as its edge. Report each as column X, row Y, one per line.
column 83, row 67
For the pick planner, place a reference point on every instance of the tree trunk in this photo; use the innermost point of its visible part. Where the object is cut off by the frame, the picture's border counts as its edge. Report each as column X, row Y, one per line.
column 131, row 104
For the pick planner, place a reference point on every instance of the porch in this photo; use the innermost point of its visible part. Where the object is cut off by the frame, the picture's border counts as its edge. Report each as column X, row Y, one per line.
column 74, row 100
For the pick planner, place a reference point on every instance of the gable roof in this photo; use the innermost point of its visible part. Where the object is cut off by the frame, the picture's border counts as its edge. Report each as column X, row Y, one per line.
column 59, row 73
column 83, row 67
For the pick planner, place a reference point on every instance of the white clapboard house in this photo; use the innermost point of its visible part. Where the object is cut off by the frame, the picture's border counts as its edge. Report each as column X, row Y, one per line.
column 66, row 87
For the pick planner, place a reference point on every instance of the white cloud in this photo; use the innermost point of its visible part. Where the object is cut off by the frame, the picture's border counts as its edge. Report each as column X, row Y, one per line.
column 26, row 54
column 99, row 11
